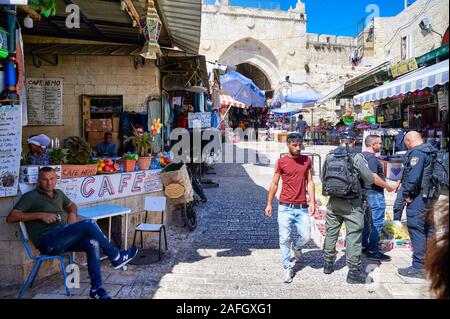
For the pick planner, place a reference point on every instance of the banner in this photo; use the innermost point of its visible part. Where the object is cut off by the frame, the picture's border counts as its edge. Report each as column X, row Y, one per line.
column 105, row 187
column 10, row 148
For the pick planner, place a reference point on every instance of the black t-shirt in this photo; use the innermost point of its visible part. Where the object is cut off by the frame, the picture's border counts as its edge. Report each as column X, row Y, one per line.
column 376, row 167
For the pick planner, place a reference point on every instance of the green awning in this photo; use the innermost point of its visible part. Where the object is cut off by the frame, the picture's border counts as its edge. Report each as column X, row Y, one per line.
column 432, row 55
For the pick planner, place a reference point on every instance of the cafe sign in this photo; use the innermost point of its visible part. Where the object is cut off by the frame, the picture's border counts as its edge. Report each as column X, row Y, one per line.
column 403, row 67
column 106, row 187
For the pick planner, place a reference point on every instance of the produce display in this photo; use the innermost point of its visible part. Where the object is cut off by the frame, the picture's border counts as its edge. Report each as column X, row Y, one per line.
column 106, row 165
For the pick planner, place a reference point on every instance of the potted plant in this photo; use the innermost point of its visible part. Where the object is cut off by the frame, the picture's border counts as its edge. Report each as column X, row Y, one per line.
column 145, row 142
column 129, row 162
column 57, row 156
column 79, row 159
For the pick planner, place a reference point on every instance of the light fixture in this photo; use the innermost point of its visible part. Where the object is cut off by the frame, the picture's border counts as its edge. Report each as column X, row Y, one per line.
column 425, row 25
column 28, row 22
column 151, row 26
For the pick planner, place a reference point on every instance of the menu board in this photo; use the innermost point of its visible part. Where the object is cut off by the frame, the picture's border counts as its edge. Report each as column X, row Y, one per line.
column 10, row 148
column 44, row 99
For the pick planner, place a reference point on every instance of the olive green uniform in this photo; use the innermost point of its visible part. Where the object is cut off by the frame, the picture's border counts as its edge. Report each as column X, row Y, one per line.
column 350, row 211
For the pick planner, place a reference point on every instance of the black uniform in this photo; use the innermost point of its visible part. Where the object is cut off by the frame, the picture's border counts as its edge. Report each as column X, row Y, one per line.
column 416, row 162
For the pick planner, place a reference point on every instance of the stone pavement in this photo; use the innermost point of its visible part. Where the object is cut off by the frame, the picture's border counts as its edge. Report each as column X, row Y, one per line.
column 234, row 253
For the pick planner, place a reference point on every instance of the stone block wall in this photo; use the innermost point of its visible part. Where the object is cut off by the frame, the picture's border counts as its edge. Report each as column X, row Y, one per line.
column 389, row 30
column 15, row 264
column 94, row 75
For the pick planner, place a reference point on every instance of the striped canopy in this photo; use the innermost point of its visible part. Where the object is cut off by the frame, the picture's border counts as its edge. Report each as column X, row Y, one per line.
column 416, row 80
column 229, row 101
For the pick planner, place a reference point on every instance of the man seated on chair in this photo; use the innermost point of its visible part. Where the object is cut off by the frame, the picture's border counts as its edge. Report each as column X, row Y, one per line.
column 42, row 211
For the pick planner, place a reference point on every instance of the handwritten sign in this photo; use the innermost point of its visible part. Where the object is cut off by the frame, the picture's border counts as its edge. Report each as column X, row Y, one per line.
column 10, row 148
column 199, row 120
column 98, row 188
column 44, row 99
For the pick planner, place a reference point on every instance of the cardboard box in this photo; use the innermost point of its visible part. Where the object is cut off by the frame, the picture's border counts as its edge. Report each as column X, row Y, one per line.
column 95, row 138
column 99, row 125
column 115, row 124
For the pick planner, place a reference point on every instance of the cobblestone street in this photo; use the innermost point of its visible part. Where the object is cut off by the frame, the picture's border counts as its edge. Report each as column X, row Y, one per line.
column 234, row 253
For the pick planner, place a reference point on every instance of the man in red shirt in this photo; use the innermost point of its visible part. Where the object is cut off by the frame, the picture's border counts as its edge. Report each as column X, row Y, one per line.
column 295, row 171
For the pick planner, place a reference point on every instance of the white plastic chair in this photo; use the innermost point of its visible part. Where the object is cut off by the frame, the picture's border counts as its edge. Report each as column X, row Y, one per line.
column 153, row 204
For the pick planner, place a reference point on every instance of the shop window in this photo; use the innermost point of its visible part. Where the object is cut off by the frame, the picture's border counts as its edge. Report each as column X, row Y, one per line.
column 100, row 114
column 406, row 47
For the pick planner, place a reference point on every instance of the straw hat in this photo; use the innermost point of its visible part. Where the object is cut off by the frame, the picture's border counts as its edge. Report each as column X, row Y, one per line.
column 174, row 190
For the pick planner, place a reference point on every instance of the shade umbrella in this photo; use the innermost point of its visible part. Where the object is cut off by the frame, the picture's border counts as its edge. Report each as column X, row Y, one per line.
column 242, row 89
column 303, row 96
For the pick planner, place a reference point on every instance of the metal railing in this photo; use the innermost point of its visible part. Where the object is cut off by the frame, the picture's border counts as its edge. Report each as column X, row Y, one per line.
column 265, row 5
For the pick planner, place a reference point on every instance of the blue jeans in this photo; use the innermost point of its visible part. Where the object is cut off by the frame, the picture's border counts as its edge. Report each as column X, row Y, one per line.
column 286, row 218
column 81, row 236
column 377, row 206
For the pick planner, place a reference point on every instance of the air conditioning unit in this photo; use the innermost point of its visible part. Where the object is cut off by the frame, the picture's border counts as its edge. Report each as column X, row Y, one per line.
column 174, row 82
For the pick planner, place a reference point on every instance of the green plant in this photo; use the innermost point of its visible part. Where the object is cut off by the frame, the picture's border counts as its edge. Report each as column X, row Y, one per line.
column 141, row 142
column 130, row 157
column 45, row 7
column 79, row 151
column 57, row 156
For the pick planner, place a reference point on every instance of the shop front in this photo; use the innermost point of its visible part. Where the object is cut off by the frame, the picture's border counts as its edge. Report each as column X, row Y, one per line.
column 415, row 101
column 77, row 86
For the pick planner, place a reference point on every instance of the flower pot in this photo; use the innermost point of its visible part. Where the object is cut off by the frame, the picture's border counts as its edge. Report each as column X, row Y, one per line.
column 128, row 165
column 144, row 162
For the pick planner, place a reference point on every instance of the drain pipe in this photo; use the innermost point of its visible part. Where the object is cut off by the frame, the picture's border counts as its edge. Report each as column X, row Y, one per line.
column 10, row 79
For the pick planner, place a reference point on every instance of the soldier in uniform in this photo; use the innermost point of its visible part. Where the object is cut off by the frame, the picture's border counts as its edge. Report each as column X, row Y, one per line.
column 351, row 211
column 416, row 161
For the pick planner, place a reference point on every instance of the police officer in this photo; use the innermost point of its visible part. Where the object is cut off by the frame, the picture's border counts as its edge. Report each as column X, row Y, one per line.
column 351, row 211
column 416, row 161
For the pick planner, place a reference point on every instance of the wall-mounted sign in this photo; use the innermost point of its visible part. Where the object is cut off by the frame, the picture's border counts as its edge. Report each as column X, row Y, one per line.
column 403, row 67
column 199, row 120
column 98, row 188
column 10, row 148
column 44, row 100
column 443, row 101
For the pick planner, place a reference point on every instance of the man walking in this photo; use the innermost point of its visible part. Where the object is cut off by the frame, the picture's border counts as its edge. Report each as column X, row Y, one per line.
column 376, row 202
column 295, row 171
column 42, row 211
column 301, row 126
column 418, row 158
column 342, row 176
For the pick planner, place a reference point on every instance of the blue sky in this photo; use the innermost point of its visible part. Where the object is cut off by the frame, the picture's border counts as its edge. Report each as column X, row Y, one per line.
column 338, row 17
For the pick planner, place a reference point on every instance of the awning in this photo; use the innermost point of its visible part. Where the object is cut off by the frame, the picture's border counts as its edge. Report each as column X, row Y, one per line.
column 304, row 96
column 286, row 111
column 416, row 80
column 331, row 93
column 184, row 19
column 229, row 101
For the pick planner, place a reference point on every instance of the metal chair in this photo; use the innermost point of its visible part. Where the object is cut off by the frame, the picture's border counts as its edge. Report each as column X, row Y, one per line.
column 153, row 204
column 38, row 261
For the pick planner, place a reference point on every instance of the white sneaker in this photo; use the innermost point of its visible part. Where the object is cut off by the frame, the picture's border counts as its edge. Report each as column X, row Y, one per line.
column 288, row 274
column 297, row 254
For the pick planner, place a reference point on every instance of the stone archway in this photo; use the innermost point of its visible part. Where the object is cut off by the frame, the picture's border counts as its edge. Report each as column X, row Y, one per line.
column 253, row 52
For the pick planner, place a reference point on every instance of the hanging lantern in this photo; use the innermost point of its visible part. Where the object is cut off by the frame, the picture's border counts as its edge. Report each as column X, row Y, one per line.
column 151, row 26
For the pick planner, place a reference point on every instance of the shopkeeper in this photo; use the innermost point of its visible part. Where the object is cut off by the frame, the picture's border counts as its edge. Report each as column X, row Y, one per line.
column 38, row 150
column 107, row 148
column 129, row 146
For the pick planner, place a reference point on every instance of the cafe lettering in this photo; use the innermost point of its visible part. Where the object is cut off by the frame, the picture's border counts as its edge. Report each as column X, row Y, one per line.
column 106, row 187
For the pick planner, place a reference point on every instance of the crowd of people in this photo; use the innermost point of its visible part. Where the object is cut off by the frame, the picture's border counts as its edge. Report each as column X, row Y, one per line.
column 355, row 184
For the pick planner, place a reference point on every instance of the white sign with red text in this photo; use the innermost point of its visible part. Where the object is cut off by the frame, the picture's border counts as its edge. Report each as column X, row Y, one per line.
column 98, row 188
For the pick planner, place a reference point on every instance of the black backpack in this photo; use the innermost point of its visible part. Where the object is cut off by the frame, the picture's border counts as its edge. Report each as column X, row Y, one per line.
column 435, row 179
column 339, row 177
